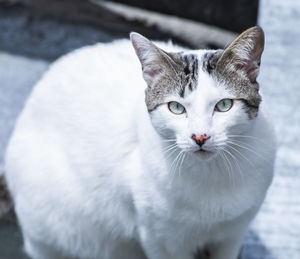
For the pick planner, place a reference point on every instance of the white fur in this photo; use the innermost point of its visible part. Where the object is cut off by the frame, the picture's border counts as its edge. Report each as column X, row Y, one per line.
column 90, row 179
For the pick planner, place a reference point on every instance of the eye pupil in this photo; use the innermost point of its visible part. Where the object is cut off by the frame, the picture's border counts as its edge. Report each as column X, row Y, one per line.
column 176, row 108
column 224, row 105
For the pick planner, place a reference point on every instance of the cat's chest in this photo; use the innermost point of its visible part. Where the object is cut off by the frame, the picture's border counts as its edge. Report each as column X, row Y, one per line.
column 200, row 200
column 192, row 216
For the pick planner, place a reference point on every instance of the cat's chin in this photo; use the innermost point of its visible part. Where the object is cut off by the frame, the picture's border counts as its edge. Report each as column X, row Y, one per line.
column 204, row 154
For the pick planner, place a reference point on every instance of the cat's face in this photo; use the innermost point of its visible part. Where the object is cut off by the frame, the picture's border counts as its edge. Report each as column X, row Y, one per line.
column 204, row 120
column 202, row 99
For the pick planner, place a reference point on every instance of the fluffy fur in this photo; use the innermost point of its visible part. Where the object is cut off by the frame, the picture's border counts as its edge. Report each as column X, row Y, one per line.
column 95, row 174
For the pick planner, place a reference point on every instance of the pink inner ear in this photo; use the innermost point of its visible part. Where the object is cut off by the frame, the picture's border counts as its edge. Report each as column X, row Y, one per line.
column 139, row 52
column 250, row 67
column 150, row 73
column 247, row 65
column 239, row 66
column 139, row 49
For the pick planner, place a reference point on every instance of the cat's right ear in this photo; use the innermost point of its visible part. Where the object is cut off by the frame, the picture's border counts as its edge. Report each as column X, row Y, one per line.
column 154, row 60
column 244, row 54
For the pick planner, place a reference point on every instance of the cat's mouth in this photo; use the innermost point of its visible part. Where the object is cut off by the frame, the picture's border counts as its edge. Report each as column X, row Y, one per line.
column 202, row 150
column 204, row 153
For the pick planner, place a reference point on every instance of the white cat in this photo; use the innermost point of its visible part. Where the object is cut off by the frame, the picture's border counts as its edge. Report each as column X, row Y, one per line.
column 100, row 168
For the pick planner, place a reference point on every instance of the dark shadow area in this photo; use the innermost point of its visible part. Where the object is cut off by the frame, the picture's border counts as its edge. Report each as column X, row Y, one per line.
column 11, row 243
column 234, row 15
column 253, row 248
column 10, row 235
column 34, row 33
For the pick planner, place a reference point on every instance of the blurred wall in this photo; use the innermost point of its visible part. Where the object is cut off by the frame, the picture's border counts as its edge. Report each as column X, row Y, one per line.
column 234, row 15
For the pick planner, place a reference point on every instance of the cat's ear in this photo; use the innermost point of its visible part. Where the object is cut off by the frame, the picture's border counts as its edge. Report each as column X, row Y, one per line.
column 154, row 60
column 244, row 54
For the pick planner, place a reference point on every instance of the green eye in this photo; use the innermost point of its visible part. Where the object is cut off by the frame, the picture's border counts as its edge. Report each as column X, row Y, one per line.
column 176, row 108
column 224, row 105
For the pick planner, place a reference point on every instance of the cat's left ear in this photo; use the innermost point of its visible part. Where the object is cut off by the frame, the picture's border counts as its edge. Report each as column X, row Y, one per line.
column 155, row 62
column 244, row 54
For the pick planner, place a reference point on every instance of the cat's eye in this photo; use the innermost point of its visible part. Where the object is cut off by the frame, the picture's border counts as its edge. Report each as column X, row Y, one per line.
column 176, row 108
column 224, row 105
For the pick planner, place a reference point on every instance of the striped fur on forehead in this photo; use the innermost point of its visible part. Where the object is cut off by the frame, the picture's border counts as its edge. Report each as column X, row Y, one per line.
column 191, row 74
column 210, row 59
column 165, row 73
column 178, row 77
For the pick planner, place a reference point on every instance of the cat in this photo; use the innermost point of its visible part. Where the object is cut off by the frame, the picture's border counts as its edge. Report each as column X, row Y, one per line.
column 109, row 162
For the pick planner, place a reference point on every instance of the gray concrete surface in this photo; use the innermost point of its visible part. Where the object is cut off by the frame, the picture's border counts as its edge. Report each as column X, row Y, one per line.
column 50, row 31
column 10, row 241
column 275, row 233
column 28, row 33
column 17, row 77
column 278, row 223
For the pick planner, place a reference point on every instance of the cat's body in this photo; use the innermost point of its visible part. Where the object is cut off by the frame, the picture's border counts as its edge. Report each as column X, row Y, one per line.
column 92, row 178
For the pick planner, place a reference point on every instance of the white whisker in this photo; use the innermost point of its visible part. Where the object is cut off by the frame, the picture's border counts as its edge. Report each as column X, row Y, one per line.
column 183, row 157
column 169, row 140
column 173, row 172
column 226, row 164
column 236, row 162
column 241, row 154
column 247, row 148
column 170, row 147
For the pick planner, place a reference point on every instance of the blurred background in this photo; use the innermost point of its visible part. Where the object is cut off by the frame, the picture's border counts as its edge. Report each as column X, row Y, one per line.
column 33, row 33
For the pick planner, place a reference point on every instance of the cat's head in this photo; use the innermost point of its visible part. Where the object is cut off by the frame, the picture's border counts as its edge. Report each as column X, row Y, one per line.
column 201, row 99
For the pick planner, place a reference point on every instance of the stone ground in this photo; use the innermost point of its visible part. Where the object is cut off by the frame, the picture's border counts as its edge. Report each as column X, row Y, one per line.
column 275, row 233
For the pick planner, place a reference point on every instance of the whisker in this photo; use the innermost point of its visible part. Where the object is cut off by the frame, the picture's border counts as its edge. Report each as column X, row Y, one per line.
column 236, row 162
column 183, row 157
column 171, row 153
column 249, row 149
column 226, row 164
column 246, row 145
column 169, row 140
column 166, row 149
column 246, row 136
column 171, row 167
column 178, row 162
column 231, row 170
column 250, row 163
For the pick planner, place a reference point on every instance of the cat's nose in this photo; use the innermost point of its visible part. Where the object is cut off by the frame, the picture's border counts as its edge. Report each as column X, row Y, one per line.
column 200, row 139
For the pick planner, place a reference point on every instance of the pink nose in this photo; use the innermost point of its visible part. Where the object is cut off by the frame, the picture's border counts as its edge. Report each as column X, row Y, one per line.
column 200, row 140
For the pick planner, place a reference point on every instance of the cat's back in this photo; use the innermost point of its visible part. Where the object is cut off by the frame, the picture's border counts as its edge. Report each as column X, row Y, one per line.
column 76, row 124
column 90, row 83
column 86, row 91
column 79, row 116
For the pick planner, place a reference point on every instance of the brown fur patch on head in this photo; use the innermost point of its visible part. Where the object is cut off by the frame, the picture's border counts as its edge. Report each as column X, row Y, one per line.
column 177, row 77
column 210, row 59
column 165, row 73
